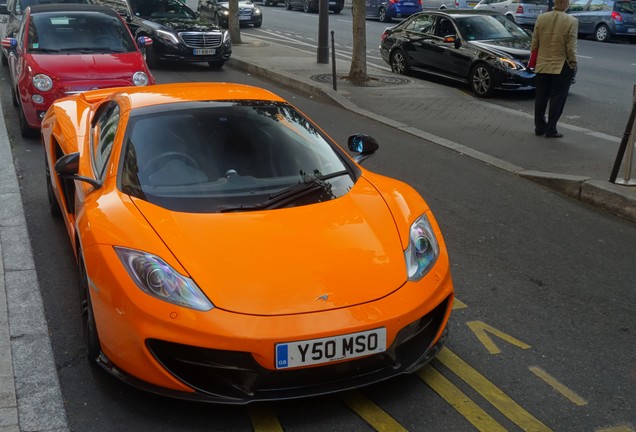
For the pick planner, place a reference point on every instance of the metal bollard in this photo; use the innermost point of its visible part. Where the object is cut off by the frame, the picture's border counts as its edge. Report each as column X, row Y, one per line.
column 626, row 148
column 334, row 78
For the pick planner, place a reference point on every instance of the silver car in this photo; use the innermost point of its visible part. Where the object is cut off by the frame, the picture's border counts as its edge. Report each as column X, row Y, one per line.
column 523, row 12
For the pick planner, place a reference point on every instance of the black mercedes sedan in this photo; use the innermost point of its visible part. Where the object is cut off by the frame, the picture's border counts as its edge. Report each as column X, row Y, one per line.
column 178, row 33
column 481, row 48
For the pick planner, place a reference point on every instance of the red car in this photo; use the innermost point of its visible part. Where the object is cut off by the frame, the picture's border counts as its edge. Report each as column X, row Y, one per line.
column 66, row 49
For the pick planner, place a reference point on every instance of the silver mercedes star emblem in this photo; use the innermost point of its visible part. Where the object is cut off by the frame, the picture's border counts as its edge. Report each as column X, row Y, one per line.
column 323, row 297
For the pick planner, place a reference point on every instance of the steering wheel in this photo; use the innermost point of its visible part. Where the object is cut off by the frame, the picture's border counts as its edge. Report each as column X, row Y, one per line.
column 165, row 157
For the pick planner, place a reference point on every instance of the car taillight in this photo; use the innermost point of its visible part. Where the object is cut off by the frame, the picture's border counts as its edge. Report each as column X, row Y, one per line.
column 384, row 35
column 393, row 1
column 616, row 16
column 420, row 2
column 519, row 9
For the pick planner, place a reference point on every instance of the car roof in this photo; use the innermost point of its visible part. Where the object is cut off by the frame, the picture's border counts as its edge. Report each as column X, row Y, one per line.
column 161, row 94
column 70, row 7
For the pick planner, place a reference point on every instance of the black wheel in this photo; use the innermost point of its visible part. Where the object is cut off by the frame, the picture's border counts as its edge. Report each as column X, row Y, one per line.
column 399, row 63
column 288, row 5
column 151, row 57
column 91, row 338
column 266, row 3
column 25, row 130
column 383, row 16
column 54, row 206
column 258, row 24
column 481, row 80
column 602, row 33
column 14, row 98
column 216, row 64
column 306, row 7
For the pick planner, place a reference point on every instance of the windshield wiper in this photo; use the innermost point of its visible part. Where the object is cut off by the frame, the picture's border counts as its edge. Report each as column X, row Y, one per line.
column 281, row 198
column 44, row 50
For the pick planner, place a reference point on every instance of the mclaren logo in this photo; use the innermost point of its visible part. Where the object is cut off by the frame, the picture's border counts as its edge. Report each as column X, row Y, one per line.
column 323, row 297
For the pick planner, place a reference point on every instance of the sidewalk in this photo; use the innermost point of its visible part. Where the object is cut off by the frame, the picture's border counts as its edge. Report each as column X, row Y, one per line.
column 577, row 165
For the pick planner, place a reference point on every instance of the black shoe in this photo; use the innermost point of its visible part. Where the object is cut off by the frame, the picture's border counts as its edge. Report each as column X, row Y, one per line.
column 554, row 135
column 537, row 133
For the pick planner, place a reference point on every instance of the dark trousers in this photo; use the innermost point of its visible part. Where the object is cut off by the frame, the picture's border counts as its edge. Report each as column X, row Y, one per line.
column 552, row 88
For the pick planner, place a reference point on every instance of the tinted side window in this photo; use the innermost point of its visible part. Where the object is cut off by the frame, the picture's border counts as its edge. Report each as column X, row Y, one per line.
column 421, row 24
column 625, row 6
column 103, row 135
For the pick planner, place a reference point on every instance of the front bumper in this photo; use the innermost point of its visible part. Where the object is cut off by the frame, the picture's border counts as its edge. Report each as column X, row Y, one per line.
column 224, row 357
column 183, row 53
column 508, row 79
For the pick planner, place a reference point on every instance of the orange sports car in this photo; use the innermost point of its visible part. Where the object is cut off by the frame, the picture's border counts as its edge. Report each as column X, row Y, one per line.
column 229, row 251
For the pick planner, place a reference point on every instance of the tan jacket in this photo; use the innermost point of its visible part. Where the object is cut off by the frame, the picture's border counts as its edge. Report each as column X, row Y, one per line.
column 555, row 36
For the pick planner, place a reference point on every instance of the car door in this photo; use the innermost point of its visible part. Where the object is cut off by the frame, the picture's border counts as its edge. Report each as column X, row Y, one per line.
column 446, row 54
column 413, row 40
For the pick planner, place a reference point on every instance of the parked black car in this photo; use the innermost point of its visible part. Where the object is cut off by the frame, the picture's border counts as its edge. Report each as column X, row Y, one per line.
column 218, row 12
column 178, row 33
column 482, row 48
column 308, row 6
column 12, row 12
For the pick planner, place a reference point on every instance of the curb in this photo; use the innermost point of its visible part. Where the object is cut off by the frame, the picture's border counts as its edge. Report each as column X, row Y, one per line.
column 604, row 195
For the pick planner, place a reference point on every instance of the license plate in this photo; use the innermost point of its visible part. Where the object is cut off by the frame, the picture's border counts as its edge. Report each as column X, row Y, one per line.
column 534, row 11
column 631, row 30
column 324, row 350
column 408, row 4
column 471, row 4
column 204, row 51
column 244, row 17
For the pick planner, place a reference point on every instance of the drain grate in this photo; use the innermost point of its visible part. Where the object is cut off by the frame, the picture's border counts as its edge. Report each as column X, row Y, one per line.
column 373, row 81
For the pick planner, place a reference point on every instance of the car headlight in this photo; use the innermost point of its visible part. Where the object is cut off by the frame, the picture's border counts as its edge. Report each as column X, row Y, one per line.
column 225, row 12
column 256, row 11
column 42, row 82
column 140, row 79
column 510, row 63
column 166, row 35
column 226, row 37
column 423, row 249
column 155, row 277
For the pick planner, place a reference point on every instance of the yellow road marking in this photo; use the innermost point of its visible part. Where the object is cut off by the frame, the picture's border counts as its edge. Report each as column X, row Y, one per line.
column 264, row 419
column 480, row 328
column 459, row 304
column 490, row 392
column 371, row 413
column 616, row 429
column 552, row 382
column 458, row 400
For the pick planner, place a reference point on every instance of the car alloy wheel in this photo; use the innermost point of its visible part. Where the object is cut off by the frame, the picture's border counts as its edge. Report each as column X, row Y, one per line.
column 398, row 63
column 383, row 16
column 288, row 5
column 602, row 33
column 306, row 7
column 91, row 337
column 481, row 80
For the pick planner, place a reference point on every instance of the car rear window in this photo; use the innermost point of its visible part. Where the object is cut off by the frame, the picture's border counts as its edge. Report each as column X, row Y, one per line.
column 625, row 6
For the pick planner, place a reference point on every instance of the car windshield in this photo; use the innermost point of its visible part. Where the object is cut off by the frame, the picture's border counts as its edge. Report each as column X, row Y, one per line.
column 488, row 27
column 230, row 156
column 80, row 32
column 162, row 9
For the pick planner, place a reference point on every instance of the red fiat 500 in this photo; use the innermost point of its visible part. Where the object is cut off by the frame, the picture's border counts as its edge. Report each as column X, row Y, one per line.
column 66, row 49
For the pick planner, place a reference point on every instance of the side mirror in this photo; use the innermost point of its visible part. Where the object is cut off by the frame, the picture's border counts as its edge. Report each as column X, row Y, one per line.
column 68, row 166
column 364, row 145
column 144, row 41
column 9, row 43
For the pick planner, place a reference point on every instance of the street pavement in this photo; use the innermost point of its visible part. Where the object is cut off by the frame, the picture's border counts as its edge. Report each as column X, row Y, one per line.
column 578, row 165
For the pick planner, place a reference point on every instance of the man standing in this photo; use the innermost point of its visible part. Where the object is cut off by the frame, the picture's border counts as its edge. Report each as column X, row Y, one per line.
column 554, row 40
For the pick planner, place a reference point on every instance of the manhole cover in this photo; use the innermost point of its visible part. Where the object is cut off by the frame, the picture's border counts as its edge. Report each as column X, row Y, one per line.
column 373, row 81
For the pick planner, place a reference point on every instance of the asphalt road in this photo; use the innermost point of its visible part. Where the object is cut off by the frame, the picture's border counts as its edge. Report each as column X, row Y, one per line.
column 541, row 337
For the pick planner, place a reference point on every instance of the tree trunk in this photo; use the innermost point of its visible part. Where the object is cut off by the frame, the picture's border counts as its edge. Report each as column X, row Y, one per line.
column 233, row 23
column 358, row 71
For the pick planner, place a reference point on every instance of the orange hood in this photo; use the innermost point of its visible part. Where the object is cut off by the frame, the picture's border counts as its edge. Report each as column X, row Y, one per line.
column 286, row 261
